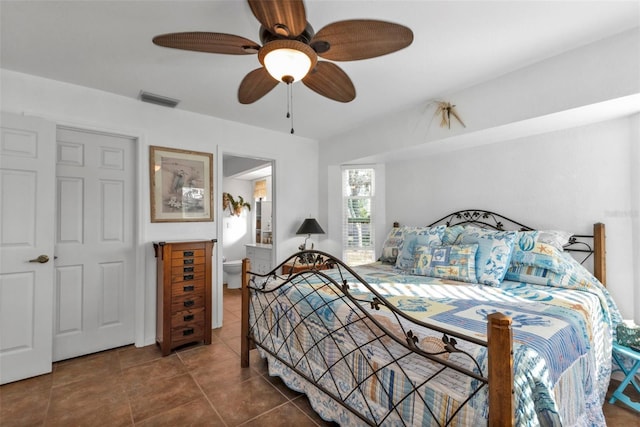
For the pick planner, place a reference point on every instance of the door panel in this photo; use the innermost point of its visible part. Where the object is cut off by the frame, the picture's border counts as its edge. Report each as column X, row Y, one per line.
column 26, row 219
column 95, row 269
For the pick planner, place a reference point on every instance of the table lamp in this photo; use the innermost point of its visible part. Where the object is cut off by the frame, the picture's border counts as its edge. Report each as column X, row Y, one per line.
column 309, row 226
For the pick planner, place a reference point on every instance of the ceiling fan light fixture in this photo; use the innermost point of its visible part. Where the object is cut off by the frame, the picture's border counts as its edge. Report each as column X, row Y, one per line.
column 287, row 60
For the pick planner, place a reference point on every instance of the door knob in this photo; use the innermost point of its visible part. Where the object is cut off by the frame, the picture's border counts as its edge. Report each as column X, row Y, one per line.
column 41, row 259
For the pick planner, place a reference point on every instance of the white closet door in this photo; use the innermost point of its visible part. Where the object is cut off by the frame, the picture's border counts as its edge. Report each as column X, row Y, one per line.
column 27, row 211
column 95, row 270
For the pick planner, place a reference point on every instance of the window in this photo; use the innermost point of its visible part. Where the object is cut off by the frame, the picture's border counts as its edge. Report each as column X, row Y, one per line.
column 358, row 191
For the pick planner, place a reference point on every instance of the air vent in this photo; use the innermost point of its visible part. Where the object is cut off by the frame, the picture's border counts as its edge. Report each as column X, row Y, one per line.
column 152, row 98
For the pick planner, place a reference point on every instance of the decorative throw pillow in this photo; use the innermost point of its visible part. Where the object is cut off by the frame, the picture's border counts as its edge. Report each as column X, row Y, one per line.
column 541, row 249
column 391, row 244
column 528, row 274
column 425, row 236
column 451, row 234
column 454, row 262
column 494, row 252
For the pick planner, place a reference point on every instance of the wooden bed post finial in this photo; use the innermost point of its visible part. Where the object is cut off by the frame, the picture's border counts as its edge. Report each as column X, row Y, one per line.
column 500, row 348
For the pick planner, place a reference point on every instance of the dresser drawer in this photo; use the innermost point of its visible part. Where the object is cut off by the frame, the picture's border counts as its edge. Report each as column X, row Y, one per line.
column 186, row 289
column 189, row 276
column 188, row 333
column 185, row 262
column 187, row 317
column 187, row 302
column 188, row 269
column 187, row 253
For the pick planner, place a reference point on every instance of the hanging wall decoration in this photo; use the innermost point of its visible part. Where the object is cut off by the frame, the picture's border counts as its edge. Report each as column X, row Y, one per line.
column 446, row 110
column 181, row 185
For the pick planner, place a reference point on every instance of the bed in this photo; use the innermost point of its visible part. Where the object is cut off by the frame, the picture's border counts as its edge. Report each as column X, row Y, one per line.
column 474, row 319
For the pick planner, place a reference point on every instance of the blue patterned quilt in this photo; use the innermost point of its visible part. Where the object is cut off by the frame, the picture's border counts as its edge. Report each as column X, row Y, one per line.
column 562, row 348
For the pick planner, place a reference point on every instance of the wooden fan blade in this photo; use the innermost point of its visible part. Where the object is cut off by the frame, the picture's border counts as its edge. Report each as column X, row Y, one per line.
column 255, row 85
column 208, row 42
column 329, row 80
column 360, row 39
column 285, row 18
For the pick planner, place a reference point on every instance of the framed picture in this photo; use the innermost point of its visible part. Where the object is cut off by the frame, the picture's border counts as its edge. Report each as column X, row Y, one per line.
column 181, row 185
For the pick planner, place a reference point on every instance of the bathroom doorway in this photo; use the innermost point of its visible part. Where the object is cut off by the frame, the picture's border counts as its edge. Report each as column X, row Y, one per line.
column 248, row 215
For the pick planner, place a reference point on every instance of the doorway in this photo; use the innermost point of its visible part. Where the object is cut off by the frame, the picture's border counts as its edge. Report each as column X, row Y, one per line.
column 240, row 176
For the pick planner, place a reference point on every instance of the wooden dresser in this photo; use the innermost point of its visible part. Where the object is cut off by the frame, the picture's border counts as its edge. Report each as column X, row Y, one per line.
column 183, row 293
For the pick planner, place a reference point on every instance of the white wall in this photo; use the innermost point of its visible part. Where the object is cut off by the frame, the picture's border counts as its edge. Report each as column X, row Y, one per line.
column 296, row 182
column 544, row 145
column 564, row 180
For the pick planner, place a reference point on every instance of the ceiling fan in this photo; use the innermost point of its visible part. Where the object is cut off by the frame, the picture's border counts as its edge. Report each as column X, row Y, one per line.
column 290, row 49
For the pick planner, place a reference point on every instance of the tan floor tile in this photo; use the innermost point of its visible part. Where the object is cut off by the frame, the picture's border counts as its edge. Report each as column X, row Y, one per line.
column 213, row 376
column 234, row 343
column 30, row 385
column 231, row 315
column 20, row 406
column 91, row 401
column 196, row 413
column 161, row 395
column 229, row 329
column 140, row 375
column 287, row 415
column 206, row 355
column 282, row 387
column 87, row 367
column 132, row 356
column 240, row 402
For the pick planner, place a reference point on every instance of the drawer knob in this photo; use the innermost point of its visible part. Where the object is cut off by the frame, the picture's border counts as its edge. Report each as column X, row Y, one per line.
column 188, row 277
column 188, row 261
column 188, row 288
column 189, row 303
column 188, row 317
column 188, row 332
column 188, row 270
column 187, row 253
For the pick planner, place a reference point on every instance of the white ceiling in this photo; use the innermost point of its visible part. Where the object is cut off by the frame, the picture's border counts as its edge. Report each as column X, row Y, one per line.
column 107, row 45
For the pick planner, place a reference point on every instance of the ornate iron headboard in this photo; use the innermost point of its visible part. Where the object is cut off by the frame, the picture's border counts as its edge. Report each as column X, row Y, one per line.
column 582, row 246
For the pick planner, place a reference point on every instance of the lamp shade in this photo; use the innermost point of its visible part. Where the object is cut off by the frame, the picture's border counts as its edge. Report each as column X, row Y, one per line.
column 260, row 189
column 310, row 226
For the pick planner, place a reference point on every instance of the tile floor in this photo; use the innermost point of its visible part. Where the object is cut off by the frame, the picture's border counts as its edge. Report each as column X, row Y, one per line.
column 196, row 385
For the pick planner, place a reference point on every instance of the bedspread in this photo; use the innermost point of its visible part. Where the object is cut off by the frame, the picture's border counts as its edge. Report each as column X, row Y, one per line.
column 562, row 348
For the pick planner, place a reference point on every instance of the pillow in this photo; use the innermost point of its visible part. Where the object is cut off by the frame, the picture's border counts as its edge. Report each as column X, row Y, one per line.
column 528, row 274
column 451, row 234
column 391, row 244
column 494, row 252
column 423, row 236
column 455, row 262
column 541, row 249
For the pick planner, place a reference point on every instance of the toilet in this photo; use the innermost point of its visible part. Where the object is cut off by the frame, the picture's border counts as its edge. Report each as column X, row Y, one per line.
column 232, row 271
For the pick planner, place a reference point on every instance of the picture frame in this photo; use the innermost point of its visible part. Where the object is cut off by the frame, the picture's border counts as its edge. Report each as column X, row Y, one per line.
column 181, row 185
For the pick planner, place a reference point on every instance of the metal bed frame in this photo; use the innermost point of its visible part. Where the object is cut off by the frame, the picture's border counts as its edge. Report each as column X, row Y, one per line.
column 401, row 349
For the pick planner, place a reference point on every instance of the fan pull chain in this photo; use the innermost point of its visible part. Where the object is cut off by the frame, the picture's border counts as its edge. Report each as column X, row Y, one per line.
column 290, row 104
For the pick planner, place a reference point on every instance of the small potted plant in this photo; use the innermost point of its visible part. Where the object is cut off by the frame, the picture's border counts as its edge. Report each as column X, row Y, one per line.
column 234, row 206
